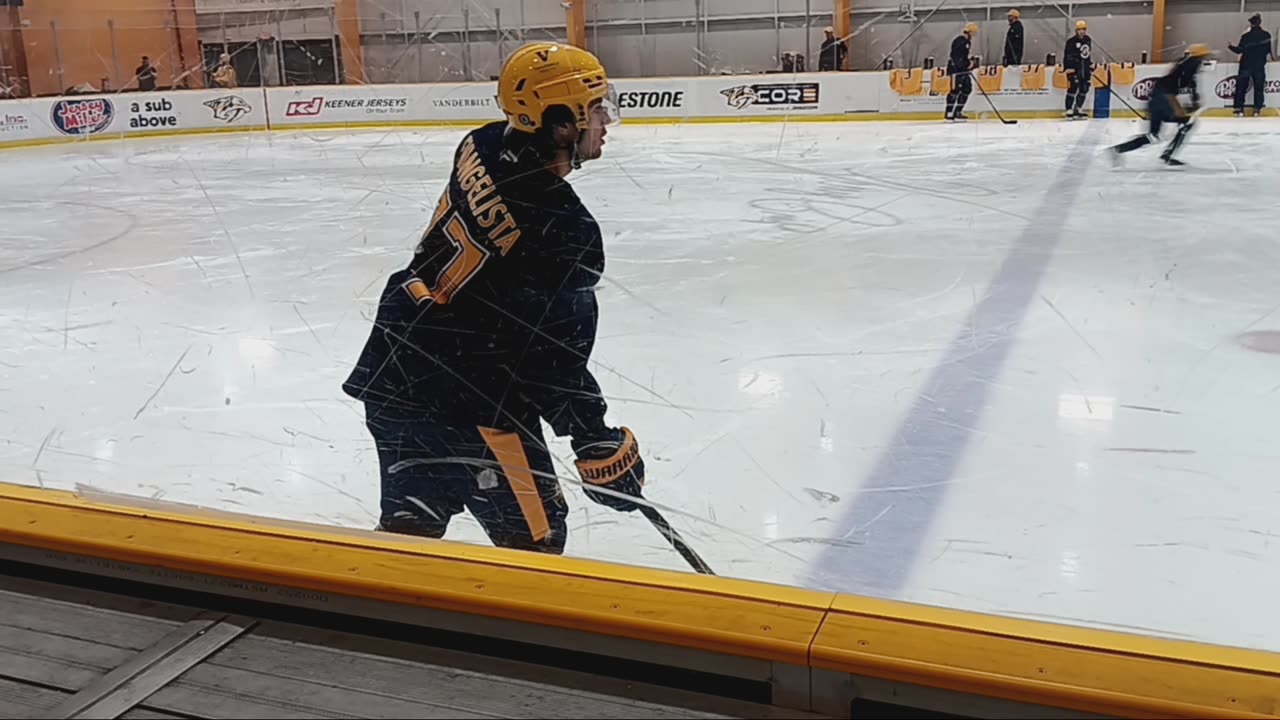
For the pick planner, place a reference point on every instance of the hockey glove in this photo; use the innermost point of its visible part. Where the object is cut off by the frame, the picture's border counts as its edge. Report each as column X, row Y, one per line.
column 611, row 460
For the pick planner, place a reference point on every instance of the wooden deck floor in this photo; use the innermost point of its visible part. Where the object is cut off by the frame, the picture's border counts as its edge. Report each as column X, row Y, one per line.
column 69, row 652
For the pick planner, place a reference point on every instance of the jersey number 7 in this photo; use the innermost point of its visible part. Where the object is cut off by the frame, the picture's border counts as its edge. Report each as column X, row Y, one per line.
column 465, row 263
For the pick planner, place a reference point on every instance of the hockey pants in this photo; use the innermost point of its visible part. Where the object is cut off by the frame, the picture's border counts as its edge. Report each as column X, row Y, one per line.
column 1257, row 77
column 961, row 86
column 1078, row 90
column 1163, row 109
column 431, row 472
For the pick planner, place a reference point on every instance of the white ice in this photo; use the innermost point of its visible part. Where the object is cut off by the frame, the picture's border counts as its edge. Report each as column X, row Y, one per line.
column 972, row 366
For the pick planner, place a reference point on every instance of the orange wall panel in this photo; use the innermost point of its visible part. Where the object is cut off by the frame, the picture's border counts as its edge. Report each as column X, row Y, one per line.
column 83, row 39
column 348, row 14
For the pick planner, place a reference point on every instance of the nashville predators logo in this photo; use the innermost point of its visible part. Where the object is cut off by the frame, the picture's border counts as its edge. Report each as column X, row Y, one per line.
column 228, row 108
column 740, row 97
column 780, row 95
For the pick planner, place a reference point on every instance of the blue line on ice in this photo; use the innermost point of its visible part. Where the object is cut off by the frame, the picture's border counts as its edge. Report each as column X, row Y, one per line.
column 908, row 485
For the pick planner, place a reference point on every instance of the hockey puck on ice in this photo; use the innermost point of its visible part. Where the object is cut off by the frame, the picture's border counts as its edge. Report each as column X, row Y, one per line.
column 1267, row 341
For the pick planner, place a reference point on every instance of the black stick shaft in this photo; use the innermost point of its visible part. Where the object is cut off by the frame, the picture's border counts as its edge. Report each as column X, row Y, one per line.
column 674, row 538
column 978, row 81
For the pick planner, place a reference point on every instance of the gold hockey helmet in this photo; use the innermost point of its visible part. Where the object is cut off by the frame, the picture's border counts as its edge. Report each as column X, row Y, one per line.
column 545, row 74
column 1082, row 25
column 1199, row 50
column 971, row 28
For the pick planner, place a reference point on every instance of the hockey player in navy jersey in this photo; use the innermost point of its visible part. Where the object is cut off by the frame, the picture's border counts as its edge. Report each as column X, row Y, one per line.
column 488, row 330
column 960, row 68
column 1077, row 63
column 1164, row 106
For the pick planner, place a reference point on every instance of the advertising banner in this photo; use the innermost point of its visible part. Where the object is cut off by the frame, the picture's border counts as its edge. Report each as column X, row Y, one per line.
column 670, row 98
column 190, row 110
column 373, row 104
column 19, row 122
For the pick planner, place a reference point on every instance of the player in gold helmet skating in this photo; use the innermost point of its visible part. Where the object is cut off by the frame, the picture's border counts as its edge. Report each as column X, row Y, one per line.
column 488, row 331
column 1164, row 106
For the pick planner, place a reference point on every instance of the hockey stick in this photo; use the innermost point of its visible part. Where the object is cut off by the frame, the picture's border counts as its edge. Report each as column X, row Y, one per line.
column 674, row 538
column 994, row 109
column 1120, row 97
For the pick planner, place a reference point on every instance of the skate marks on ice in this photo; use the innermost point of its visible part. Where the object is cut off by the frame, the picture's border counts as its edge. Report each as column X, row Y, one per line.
column 17, row 256
column 834, row 203
column 925, row 450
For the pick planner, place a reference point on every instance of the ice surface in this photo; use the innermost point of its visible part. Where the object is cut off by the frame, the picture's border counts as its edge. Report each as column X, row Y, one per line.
column 964, row 365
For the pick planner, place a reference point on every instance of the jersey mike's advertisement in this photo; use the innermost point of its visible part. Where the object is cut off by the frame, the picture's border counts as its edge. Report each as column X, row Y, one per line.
column 82, row 116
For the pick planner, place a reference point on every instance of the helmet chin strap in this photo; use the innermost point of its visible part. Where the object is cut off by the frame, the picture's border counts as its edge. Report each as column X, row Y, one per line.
column 577, row 156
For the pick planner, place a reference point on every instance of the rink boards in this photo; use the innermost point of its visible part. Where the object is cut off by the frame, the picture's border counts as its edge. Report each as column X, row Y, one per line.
column 816, row 649
column 1029, row 91
column 812, row 650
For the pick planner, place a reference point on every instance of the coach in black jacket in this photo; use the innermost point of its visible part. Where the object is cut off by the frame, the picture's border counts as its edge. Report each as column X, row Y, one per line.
column 1254, row 49
column 1013, row 40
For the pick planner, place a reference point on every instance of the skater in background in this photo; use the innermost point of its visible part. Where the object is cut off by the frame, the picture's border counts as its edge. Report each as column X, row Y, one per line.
column 225, row 75
column 488, row 330
column 1254, row 51
column 833, row 53
column 1078, row 65
column 1013, row 40
column 960, row 68
column 1164, row 106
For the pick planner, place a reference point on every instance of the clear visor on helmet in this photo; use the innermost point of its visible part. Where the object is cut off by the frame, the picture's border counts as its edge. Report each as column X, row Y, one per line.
column 607, row 109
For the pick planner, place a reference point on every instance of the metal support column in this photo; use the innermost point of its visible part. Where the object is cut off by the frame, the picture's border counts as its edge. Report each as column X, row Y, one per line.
column 115, row 56
column 808, row 37
column 417, row 39
column 57, row 56
column 466, row 42
column 497, row 22
column 337, row 51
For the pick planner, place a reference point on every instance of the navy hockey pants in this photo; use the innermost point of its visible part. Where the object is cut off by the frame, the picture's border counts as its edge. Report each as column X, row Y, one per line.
column 431, row 472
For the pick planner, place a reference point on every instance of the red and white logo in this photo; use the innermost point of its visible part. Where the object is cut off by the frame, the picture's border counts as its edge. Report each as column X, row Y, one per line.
column 1143, row 88
column 1226, row 89
column 305, row 108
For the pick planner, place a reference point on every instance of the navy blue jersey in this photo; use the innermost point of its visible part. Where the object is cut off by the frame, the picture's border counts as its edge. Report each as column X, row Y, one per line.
column 1181, row 78
column 493, row 321
column 959, row 60
column 1078, row 55
column 1254, row 47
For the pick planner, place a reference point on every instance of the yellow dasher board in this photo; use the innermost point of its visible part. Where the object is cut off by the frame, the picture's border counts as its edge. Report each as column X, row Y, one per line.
column 907, row 81
column 940, row 83
column 1034, row 77
column 991, row 78
column 1122, row 73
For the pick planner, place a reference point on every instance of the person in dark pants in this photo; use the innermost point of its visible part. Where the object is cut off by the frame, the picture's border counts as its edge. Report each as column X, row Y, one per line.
column 488, row 331
column 1254, row 51
column 146, row 74
column 960, row 69
column 1164, row 106
column 1013, row 40
column 833, row 53
column 1077, row 62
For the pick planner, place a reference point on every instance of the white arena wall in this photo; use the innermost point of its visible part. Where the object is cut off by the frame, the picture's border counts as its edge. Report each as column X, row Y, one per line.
column 734, row 98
